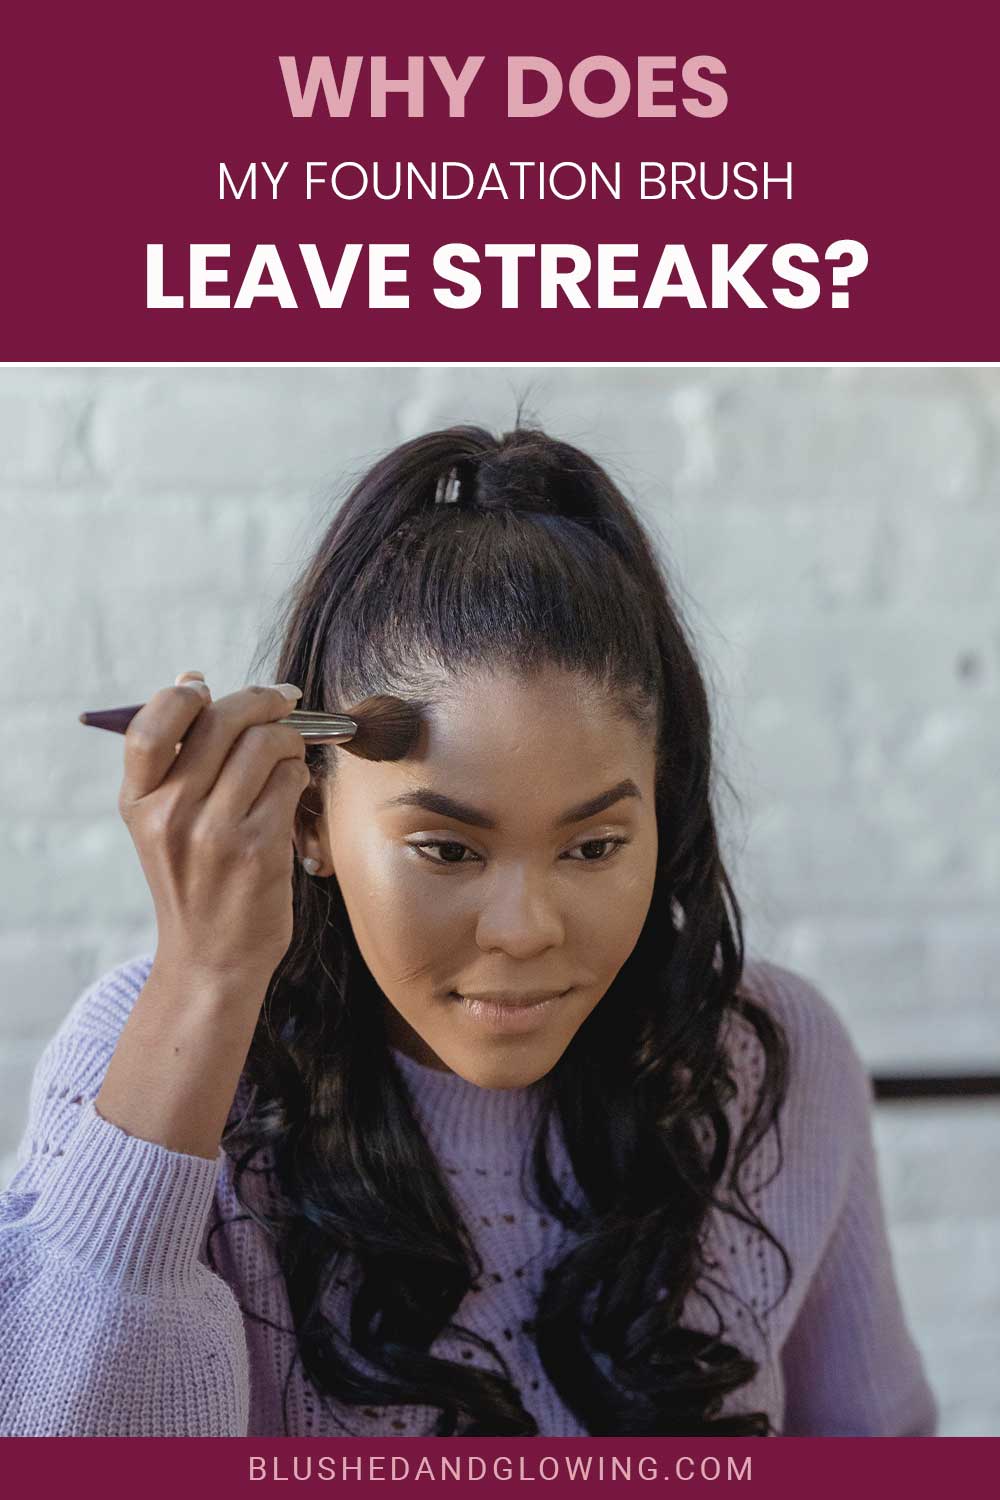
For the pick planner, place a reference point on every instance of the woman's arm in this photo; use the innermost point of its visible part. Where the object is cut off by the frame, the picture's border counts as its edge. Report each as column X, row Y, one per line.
column 113, row 1324
column 851, row 1368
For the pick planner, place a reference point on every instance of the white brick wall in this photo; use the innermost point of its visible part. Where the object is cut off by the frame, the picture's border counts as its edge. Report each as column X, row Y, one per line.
column 835, row 536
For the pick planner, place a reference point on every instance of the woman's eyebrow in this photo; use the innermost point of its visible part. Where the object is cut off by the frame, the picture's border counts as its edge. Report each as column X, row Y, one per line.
column 437, row 802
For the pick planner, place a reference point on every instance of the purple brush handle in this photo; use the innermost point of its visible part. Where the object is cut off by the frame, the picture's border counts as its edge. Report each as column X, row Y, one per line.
column 316, row 728
column 116, row 719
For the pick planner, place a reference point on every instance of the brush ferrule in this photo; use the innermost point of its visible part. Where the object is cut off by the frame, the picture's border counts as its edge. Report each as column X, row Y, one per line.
column 320, row 728
column 324, row 737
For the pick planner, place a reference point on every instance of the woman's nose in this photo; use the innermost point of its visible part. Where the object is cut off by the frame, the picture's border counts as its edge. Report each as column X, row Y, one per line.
column 519, row 917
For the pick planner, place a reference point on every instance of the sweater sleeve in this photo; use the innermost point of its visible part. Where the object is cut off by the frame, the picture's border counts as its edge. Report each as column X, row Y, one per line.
column 850, row 1366
column 114, row 1326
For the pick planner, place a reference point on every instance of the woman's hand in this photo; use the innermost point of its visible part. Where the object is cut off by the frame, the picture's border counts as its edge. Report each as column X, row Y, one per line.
column 209, row 795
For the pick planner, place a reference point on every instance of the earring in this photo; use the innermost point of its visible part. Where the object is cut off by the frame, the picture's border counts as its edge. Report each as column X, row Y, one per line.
column 310, row 865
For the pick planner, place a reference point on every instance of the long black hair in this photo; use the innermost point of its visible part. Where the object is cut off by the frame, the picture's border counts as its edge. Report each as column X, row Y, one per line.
column 460, row 549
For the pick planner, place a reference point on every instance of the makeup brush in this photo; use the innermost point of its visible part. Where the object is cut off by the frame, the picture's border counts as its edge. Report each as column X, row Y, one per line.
column 378, row 728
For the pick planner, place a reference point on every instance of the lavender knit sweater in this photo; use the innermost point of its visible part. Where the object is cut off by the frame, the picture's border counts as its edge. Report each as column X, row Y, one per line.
column 114, row 1324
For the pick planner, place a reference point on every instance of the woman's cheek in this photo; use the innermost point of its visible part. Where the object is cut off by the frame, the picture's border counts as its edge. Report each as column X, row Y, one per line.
column 408, row 920
column 383, row 871
column 614, row 916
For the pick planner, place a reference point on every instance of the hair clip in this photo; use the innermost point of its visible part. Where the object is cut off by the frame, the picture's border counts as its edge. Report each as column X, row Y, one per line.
column 448, row 487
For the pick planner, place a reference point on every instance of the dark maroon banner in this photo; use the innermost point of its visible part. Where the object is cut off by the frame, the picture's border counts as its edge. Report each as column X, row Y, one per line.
column 823, row 1468
column 118, row 119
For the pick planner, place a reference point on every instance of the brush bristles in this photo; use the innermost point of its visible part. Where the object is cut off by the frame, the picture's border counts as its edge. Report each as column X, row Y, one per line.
column 387, row 728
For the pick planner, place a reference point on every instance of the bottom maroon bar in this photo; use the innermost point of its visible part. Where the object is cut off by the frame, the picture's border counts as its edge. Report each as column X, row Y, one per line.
column 834, row 1467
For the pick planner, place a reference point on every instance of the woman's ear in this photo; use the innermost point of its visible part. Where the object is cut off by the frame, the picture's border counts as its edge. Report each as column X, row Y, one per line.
column 311, row 840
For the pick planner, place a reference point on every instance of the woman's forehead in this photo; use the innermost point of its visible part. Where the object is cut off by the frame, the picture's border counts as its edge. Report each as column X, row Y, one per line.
column 515, row 747
column 489, row 702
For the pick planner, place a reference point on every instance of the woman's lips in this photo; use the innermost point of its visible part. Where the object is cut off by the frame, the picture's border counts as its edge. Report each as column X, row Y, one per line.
column 514, row 1001
column 503, row 1012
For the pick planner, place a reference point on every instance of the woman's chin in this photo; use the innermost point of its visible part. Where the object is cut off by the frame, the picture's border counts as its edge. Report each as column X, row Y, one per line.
column 495, row 1070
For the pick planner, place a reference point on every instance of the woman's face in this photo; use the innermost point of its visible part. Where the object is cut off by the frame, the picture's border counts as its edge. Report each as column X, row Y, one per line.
column 511, row 854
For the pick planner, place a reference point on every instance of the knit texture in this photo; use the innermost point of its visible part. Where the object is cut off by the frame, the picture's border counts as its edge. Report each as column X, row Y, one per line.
column 115, row 1324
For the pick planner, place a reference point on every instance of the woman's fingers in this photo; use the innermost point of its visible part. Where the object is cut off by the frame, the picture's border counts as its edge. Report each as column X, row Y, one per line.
column 179, row 680
column 220, row 880
column 212, row 737
column 257, row 752
column 153, row 734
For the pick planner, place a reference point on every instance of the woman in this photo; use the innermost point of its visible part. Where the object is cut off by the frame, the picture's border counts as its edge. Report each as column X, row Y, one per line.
column 514, row 1142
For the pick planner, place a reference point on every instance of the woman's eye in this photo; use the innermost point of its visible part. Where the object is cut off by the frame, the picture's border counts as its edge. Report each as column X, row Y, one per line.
column 595, row 851
column 451, row 851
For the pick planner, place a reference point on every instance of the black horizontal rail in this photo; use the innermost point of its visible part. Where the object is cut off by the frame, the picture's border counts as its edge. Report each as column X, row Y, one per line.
column 892, row 1086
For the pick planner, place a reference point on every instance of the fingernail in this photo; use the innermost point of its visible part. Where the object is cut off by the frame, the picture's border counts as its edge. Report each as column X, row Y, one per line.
column 289, row 690
column 183, row 676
